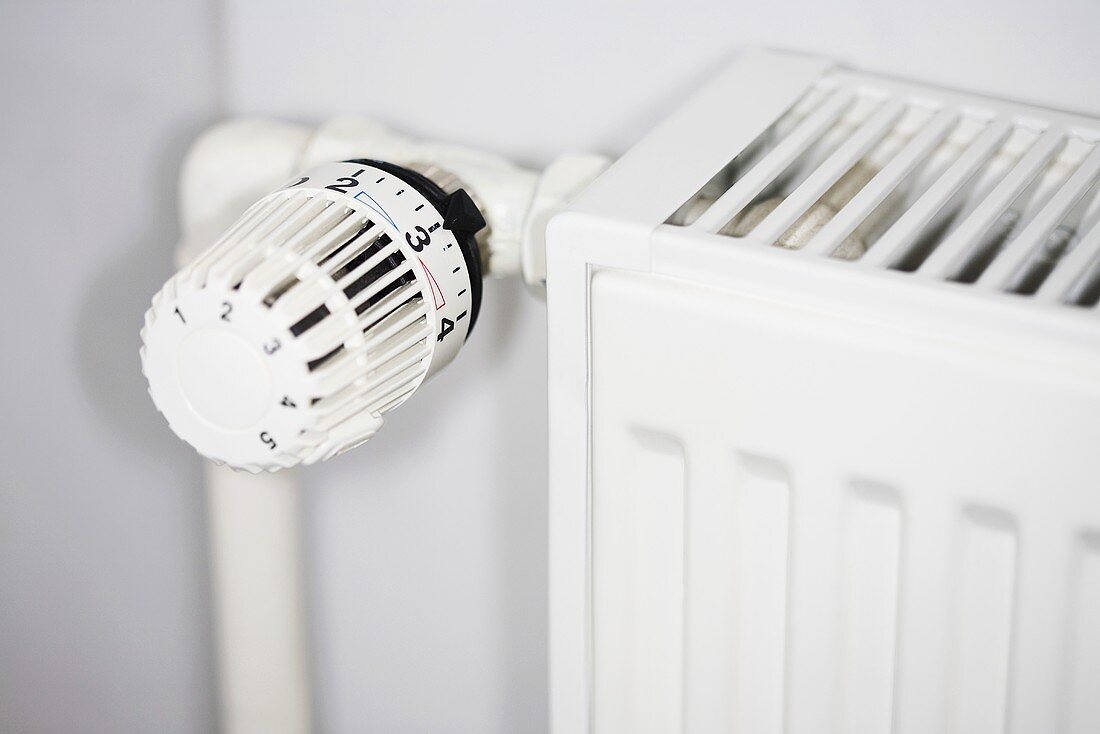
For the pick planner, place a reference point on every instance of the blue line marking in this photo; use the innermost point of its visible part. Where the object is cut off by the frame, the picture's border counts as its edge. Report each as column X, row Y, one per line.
column 375, row 206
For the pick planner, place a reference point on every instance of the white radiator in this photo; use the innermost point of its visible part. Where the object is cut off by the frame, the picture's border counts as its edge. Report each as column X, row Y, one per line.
column 849, row 483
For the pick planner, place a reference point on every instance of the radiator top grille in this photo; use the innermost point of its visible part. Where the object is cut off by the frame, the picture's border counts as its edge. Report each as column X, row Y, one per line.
column 945, row 186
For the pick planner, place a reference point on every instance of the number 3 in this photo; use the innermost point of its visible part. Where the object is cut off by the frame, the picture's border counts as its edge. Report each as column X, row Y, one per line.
column 422, row 239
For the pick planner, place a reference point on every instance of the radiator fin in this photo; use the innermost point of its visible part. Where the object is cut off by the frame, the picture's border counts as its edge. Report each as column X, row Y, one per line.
column 1084, row 648
column 872, row 547
column 639, row 574
column 982, row 629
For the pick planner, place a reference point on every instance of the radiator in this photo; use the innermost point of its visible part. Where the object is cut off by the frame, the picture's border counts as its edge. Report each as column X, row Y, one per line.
column 825, row 416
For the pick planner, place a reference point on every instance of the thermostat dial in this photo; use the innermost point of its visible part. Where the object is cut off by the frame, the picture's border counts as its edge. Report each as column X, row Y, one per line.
column 324, row 307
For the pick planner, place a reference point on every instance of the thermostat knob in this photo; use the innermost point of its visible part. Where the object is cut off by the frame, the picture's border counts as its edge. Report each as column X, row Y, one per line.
column 323, row 308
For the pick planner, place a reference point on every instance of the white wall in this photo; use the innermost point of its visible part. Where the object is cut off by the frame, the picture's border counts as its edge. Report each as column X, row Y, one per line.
column 103, row 580
column 427, row 545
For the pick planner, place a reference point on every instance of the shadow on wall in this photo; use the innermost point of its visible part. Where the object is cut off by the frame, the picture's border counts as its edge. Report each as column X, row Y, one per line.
column 106, row 346
column 432, row 537
column 112, row 311
column 521, row 509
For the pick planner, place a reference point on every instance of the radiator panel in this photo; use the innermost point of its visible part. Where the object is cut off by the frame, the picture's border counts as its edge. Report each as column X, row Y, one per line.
column 850, row 526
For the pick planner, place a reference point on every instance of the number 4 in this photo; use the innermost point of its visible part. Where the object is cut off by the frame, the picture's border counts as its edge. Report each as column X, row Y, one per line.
column 446, row 326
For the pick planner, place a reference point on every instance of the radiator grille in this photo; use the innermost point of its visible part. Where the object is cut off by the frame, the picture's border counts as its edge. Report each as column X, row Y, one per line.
column 899, row 177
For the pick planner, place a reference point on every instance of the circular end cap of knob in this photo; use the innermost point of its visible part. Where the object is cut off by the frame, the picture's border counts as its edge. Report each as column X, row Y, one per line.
column 223, row 378
column 211, row 359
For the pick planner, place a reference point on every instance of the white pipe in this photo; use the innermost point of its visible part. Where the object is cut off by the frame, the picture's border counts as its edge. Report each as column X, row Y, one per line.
column 259, row 610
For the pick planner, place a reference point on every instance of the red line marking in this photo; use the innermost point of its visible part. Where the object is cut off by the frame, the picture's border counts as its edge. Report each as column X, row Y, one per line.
column 437, row 292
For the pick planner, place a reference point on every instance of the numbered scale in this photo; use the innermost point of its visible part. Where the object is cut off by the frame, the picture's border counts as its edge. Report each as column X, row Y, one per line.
column 324, row 307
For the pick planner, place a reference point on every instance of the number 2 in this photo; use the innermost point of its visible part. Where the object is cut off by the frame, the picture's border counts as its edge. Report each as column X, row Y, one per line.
column 341, row 187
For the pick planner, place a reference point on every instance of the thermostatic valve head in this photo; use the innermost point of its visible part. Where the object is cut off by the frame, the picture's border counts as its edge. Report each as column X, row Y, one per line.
column 324, row 307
